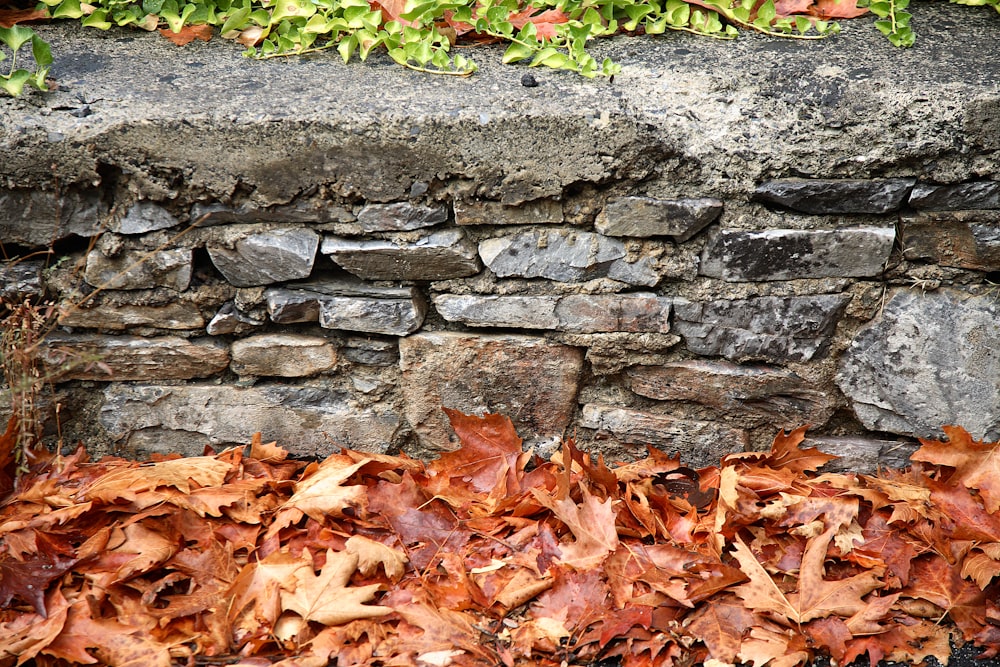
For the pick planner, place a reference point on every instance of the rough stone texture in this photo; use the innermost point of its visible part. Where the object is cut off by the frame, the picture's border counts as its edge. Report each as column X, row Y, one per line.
column 400, row 216
column 177, row 315
column 787, row 254
column 231, row 320
column 307, row 210
column 371, row 351
column 931, row 359
column 862, row 455
column 826, row 196
column 265, row 258
column 129, row 358
column 306, row 420
column 538, row 212
column 698, row 443
column 531, row 380
column 647, row 216
column 38, row 218
column 21, row 279
column 779, row 395
column 772, row 329
column 966, row 239
column 567, row 256
column 143, row 217
column 282, row 355
column 580, row 313
column 134, row 269
column 348, row 305
column 438, row 256
column 609, row 353
column 975, row 195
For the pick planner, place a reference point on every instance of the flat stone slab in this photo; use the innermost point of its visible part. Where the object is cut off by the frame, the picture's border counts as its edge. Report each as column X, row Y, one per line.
column 437, row 256
column 348, row 305
column 531, row 380
column 787, row 254
column 974, row 195
column 135, row 269
column 647, row 216
column 267, row 257
column 282, row 355
column 131, row 358
column 176, row 315
column 831, row 196
column 306, row 420
column 931, row 360
column 768, row 328
column 579, row 313
column 37, row 218
column 567, row 256
column 400, row 216
column 965, row 239
column 775, row 393
column 698, row 443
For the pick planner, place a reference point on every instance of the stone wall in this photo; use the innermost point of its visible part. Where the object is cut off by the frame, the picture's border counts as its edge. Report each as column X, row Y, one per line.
column 686, row 270
column 655, row 321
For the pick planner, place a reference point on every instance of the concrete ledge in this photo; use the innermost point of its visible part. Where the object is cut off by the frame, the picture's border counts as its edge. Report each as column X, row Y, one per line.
column 724, row 114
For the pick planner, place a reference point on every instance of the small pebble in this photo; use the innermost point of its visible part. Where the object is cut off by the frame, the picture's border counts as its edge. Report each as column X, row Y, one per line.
column 528, row 80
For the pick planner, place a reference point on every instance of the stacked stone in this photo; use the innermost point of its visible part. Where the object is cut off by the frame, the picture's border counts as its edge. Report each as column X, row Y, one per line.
column 692, row 324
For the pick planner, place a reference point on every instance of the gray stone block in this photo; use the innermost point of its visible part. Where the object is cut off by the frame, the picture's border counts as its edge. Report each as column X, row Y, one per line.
column 531, row 380
column 832, row 196
column 282, row 355
column 962, row 196
column 130, row 358
column 136, row 269
column 580, row 313
column 267, row 257
column 438, row 256
column 772, row 329
column 647, row 216
column 143, row 217
column 788, row 254
column 965, row 239
column 930, row 360
column 698, row 443
column 537, row 212
column 306, row 420
column 775, row 394
column 567, row 256
column 348, row 305
column 39, row 218
column 400, row 217
column 370, row 351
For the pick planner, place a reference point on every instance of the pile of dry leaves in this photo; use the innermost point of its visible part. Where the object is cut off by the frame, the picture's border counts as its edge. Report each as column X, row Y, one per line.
column 489, row 556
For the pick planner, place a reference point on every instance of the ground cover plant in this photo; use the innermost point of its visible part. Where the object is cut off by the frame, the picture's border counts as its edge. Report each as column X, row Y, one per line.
column 423, row 34
column 490, row 556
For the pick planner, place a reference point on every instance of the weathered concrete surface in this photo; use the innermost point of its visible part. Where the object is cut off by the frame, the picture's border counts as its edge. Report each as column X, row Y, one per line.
column 733, row 113
column 932, row 359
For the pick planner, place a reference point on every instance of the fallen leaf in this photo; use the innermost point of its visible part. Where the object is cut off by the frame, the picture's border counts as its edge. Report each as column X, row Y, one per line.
column 188, row 34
